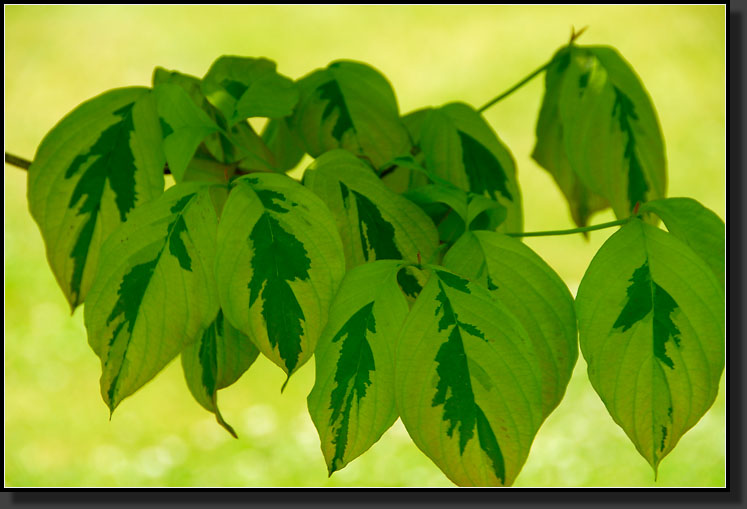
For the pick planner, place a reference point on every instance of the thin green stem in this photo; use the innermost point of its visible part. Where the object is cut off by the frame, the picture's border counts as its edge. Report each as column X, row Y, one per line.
column 515, row 87
column 573, row 230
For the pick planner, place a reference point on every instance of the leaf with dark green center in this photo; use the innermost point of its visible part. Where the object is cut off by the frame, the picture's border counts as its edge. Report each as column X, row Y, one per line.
column 283, row 144
column 352, row 106
column 90, row 171
column 243, row 87
column 352, row 402
column 215, row 361
column 279, row 262
column 533, row 292
column 467, row 382
column 651, row 323
column 374, row 222
column 611, row 136
column 458, row 145
column 163, row 253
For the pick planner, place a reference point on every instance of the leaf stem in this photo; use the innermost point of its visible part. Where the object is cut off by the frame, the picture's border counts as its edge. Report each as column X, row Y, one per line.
column 573, row 230
column 515, row 87
column 19, row 162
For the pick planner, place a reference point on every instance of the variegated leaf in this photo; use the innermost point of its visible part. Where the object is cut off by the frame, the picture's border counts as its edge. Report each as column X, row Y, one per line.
column 467, row 382
column 352, row 106
column 651, row 328
column 279, row 263
column 90, row 171
column 533, row 292
column 374, row 222
column 156, row 292
column 352, row 402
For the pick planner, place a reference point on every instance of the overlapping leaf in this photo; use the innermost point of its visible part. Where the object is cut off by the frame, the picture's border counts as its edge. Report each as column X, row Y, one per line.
column 651, row 323
column 156, row 292
column 352, row 106
column 533, row 292
column 242, row 87
column 374, row 222
column 279, row 263
column 459, row 146
column 90, row 171
column 610, row 132
column 352, row 402
column 468, row 383
column 455, row 211
column 220, row 356
column 218, row 151
column 549, row 151
column 283, row 144
column 696, row 226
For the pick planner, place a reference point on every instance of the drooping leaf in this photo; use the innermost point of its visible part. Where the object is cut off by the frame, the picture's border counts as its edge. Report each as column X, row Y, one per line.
column 459, row 146
column 611, row 135
column 279, row 263
column 549, row 151
column 285, row 146
column 352, row 106
column 467, row 382
column 91, row 170
column 533, row 292
column 696, row 226
column 154, row 292
column 242, row 87
column 651, row 323
column 220, row 356
column 352, row 402
column 374, row 222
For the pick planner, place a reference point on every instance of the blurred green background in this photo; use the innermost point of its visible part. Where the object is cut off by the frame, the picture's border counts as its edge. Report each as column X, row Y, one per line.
column 57, row 428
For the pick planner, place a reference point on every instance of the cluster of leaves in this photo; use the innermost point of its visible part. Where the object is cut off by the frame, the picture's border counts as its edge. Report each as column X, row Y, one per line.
column 389, row 261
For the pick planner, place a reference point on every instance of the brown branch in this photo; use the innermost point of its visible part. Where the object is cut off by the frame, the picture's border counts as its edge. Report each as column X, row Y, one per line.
column 19, row 162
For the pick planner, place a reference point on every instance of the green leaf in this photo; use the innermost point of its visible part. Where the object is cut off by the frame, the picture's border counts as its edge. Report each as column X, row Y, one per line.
column 459, row 146
column 284, row 145
column 455, row 211
column 374, row 222
column 184, row 126
column 352, row 402
column 533, row 292
column 352, row 106
column 279, row 263
column 91, row 170
column 220, row 356
column 156, row 292
column 698, row 227
column 549, row 151
column 218, row 151
column 651, row 328
column 468, row 383
column 611, row 134
column 243, row 87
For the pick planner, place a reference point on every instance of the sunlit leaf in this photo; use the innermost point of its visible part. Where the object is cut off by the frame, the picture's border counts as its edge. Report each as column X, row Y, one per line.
column 352, row 106
column 533, row 292
column 374, row 222
column 468, row 383
column 279, row 263
column 155, row 292
column 651, row 323
column 91, row 170
column 352, row 402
